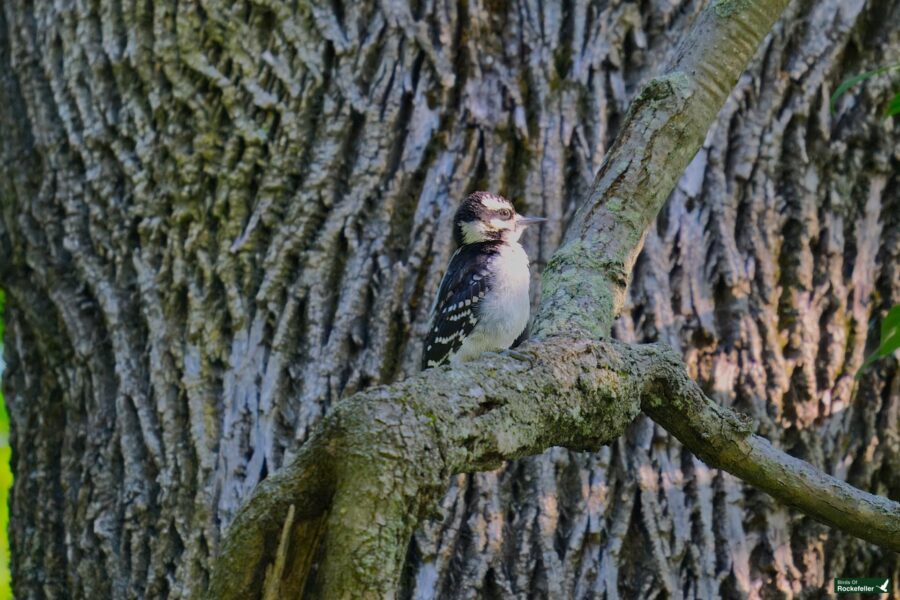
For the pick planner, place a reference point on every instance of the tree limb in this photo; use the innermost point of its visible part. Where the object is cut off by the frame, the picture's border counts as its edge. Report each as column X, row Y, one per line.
column 384, row 456
column 584, row 283
column 724, row 440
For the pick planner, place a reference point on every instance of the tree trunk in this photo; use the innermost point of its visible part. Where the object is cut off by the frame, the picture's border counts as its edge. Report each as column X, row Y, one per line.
column 217, row 220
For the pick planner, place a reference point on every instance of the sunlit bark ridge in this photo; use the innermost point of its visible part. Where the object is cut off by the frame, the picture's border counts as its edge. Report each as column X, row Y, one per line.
column 356, row 491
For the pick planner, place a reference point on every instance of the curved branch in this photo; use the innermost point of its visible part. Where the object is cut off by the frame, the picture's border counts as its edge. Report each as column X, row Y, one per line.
column 381, row 458
column 724, row 440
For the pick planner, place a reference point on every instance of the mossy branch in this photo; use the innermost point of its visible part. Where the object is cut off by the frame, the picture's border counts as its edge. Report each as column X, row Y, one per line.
column 584, row 288
column 359, row 488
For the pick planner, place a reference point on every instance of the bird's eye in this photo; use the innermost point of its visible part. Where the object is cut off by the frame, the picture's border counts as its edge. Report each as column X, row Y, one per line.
column 505, row 213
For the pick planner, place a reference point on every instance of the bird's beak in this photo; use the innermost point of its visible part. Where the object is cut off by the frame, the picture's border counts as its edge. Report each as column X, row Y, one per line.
column 525, row 221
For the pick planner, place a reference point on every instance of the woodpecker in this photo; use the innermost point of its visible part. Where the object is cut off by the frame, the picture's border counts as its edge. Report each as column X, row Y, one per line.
column 483, row 303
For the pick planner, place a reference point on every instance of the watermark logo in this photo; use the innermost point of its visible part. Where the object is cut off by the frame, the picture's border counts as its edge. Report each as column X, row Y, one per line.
column 861, row 585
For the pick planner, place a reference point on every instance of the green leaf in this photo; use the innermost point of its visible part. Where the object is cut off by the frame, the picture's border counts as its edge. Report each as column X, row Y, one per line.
column 6, row 477
column 893, row 107
column 852, row 81
column 891, row 323
column 890, row 339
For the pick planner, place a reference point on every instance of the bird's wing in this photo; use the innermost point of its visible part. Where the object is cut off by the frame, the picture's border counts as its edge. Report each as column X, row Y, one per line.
column 455, row 311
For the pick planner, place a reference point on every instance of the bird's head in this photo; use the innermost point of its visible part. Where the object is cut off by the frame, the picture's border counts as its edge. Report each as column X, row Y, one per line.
column 484, row 217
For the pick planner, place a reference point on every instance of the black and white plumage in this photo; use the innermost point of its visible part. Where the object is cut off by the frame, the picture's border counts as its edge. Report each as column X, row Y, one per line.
column 483, row 302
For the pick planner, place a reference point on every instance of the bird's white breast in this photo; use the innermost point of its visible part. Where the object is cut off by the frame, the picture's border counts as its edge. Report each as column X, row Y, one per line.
column 505, row 309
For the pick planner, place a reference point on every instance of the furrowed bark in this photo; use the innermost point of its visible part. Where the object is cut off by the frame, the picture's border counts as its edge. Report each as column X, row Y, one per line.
column 584, row 290
column 217, row 220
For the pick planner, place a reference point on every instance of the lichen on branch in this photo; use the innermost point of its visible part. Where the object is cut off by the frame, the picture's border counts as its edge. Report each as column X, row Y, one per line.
column 381, row 458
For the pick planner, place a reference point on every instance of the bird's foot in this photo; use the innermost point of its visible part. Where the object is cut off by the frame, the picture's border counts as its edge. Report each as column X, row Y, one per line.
column 520, row 356
column 490, row 354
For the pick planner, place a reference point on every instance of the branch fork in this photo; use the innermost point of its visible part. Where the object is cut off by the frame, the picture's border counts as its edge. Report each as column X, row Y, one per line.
column 359, row 488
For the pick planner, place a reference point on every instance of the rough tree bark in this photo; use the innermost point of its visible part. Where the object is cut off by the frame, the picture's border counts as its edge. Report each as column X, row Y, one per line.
column 219, row 219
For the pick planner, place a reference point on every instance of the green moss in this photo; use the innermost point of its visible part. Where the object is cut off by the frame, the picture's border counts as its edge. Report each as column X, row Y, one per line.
column 575, row 272
column 662, row 88
column 727, row 8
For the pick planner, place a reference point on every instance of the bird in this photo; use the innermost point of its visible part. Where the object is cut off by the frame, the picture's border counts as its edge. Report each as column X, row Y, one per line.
column 483, row 302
